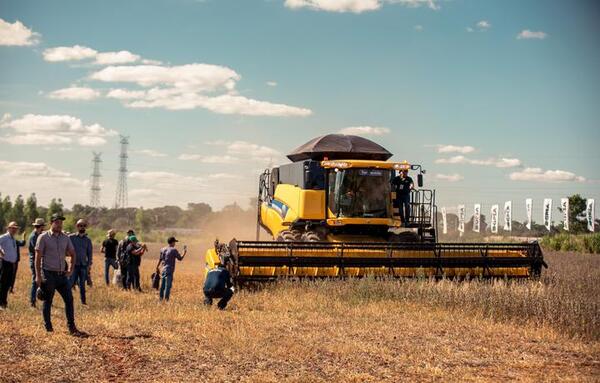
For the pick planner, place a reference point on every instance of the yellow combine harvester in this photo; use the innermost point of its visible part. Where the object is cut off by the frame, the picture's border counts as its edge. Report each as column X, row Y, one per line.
column 332, row 213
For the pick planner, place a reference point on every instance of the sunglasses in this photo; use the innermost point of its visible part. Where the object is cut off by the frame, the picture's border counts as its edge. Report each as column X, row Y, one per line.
column 81, row 225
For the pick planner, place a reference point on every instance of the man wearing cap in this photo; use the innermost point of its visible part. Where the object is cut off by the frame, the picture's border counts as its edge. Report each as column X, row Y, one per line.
column 109, row 248
column 218, row 285
column 134, row 252
column 38, row 227
column 52, row 271
column 168, row 256
column 20, row 243
column 83, row 257
column 9, row 256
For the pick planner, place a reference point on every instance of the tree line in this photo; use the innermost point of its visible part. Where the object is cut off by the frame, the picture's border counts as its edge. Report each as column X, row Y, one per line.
column 25, row 211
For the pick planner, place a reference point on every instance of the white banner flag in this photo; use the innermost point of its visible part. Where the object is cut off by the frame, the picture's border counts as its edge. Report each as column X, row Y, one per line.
column 444, row 222
column 494, row 214
column 461, row 219
column 548, row 213
column 477, row 218
column 529, row 209
column 564, row 206
column 508, row 216
column 590, row 214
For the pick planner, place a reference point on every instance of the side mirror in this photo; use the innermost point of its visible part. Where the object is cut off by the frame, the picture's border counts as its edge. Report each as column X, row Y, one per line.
column 420, row 180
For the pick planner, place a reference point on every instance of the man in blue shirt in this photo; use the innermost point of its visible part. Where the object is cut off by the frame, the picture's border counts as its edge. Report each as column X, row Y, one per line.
column 8, row 257
column 83, row 257
column 218, row 285
column 168, row 256
column 38, row 227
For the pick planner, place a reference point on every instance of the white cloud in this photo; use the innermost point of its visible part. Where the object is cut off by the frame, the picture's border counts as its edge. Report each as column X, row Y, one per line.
column 75, row 93
column 508, row 163
column 198, row 77
column 469, row 29
column 17, row 34
column 223, row 176
column 187, row 87
column 74, row 53
column 539, row 175
column 484, row 25
column 355, row 6
column 236, row 152
column 30, row 169
column 526, row 34
column 79, row 53
column 253, row 151
column 272, row 83
column 120, row 57
column 497, row 162
column 144, row 193
column 455, row 149
column 151, row 153
column 33, row 129
column 365, row 130
column 418, row 28
column 450, row 177
column 209, row 159
column 159, row 179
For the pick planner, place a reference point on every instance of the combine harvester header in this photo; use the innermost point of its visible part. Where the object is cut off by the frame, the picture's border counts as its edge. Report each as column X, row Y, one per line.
column 332, row 213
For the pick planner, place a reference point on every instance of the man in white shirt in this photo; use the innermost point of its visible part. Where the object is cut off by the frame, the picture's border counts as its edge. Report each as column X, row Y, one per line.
column 9, row 256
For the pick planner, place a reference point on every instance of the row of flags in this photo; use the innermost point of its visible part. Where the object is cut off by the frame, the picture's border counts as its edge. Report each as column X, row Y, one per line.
column 507, row 215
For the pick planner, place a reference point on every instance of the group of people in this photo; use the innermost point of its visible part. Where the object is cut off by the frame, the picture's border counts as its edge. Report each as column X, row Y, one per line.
column 51, row 273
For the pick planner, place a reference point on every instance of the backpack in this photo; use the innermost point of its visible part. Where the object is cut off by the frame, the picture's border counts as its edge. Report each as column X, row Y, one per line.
column 122, row 254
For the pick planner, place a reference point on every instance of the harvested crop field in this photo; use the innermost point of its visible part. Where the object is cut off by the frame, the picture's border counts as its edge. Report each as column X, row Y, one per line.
column 357, row 330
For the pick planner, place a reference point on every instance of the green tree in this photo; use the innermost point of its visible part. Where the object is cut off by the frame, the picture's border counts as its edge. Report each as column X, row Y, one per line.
column 577, row 220
column 17, row 213
column 142, row 221
column 2, row 214
column 56, row 206
column 31, row 209
column 5, row 207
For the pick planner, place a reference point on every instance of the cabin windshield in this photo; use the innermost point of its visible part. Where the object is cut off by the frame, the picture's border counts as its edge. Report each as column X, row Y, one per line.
column 360, row 193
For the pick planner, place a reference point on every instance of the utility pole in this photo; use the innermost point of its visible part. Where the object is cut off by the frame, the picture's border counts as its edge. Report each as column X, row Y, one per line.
column 121, row 196
column 95, row 180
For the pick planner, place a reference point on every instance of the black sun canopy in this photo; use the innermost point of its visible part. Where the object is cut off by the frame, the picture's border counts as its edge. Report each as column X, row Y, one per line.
column 339, row 147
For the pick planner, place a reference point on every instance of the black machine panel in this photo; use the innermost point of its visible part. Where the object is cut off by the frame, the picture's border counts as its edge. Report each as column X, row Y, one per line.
column 308, row 175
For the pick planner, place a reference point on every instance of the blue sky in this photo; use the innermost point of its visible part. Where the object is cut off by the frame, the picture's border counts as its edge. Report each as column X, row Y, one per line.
column 212, row 91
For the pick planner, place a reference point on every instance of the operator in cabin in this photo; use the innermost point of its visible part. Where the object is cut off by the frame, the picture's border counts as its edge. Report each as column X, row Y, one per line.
column 403, row 184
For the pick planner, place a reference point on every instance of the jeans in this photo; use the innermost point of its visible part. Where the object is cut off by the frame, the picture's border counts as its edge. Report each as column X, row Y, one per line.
column 166, row 282
column 404, row 207
column 133, row 276
column 224, row 294
column 80, row 274
column 108, row 262
column 6, row 275
column 55, row 281
column 33, row 284
column 124, row 274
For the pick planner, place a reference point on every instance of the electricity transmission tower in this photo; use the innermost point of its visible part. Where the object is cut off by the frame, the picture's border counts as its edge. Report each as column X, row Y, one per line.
column 95, row 184
column 121, row 197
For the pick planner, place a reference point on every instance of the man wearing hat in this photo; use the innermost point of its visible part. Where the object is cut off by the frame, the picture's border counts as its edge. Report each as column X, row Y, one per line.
column 38, row 227
column 51, row 268
column 9, row 255
column 83, row 257
column 168, row 256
